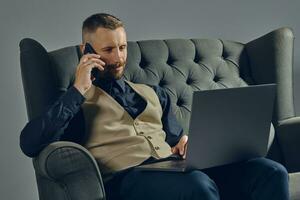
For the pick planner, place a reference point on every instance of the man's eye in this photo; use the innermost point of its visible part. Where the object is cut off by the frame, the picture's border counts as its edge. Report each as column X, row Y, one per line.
column 123, row 47
column 108, row 50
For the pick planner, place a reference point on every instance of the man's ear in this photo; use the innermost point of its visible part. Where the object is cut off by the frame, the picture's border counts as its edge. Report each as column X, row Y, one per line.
column 81, row 46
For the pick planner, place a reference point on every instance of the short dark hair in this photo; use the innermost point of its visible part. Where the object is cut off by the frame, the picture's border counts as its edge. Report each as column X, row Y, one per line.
column 98, row 20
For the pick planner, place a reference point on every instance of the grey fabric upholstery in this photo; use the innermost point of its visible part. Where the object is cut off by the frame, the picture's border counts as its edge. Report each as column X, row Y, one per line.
column 294, row 186
column 181, row 66
column 63, row 169
column 288, row 134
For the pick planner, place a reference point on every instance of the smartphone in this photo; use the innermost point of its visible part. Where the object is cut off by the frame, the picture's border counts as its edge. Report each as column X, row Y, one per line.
column 89, row 49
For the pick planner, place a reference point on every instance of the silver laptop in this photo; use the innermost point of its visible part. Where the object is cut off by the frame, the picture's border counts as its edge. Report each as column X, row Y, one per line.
column 226, row 126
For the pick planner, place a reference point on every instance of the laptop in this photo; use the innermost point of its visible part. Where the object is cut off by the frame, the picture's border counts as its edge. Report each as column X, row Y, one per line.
column 226, row 126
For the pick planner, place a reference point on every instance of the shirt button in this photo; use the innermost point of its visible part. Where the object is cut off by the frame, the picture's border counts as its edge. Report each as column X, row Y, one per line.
column 149, row 137
column 156, row 148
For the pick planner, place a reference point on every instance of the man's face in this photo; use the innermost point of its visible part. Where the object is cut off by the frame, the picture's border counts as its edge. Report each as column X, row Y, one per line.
column 111, row 45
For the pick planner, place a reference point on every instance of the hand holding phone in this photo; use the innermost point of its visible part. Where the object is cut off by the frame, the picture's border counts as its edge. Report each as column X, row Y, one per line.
column 88, row 49
column 87, row 69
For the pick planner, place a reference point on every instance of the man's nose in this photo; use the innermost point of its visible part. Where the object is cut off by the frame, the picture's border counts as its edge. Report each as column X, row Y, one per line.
column 118, row 56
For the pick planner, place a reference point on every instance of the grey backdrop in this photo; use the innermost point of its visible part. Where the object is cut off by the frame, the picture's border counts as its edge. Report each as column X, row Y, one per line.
column 57, row 24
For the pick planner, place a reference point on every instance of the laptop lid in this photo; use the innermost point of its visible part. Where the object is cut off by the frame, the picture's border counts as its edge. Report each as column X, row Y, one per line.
column 230, row 125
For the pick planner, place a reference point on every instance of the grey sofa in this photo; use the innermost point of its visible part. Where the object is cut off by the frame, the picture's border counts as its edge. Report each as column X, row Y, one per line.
column 65, row 170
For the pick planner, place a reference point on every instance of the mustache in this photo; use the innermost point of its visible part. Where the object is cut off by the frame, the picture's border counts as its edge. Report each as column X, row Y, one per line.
column 114, row 66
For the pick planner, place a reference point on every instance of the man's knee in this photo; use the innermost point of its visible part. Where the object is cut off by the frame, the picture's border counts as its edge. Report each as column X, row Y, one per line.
column 267, row 166
column 279, row 171
column 198, row 184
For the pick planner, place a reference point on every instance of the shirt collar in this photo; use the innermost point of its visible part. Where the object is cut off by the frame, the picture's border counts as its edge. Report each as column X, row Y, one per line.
column 107, row 84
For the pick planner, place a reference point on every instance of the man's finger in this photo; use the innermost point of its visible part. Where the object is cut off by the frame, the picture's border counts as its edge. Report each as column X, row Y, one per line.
column 93, row 65
column 91, row 55
column 185, row 139
column 174, row 150
column 93, row 60
column 100, row 67
column 185, row 150
column 86, row 57
column 97, row 60
column 181, row 150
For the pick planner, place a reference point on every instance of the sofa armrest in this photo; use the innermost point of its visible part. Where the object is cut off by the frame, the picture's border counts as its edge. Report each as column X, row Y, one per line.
column 288, row 132
column 71, row 168
column 271, row 61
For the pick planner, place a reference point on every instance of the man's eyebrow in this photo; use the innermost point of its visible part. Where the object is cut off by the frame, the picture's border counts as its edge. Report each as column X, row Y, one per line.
column 107, row 47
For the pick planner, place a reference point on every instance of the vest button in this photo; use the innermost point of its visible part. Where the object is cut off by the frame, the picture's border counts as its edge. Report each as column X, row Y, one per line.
column 141, row 132
column 156, row 148
column 136, row 123
column 149, row 137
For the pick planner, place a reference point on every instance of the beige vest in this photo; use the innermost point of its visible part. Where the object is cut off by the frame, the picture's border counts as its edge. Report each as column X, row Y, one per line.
column 115, row 139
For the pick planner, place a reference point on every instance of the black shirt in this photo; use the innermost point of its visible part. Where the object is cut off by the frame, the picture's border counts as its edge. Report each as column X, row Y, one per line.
column 64, row 119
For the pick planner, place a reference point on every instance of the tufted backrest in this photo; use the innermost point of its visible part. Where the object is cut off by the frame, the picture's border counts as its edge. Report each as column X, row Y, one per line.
column 180, row 66
column 183, row 66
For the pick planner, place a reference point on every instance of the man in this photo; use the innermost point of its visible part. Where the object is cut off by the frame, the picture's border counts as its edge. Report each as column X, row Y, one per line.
column 125, row 124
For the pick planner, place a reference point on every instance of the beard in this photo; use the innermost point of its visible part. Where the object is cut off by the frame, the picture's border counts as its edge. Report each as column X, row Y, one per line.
column 111, row 71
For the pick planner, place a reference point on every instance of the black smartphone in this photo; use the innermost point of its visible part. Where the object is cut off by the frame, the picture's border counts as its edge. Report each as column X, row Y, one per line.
column 89, row 49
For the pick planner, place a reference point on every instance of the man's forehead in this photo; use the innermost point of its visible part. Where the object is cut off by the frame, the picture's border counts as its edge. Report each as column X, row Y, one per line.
column 104, row 36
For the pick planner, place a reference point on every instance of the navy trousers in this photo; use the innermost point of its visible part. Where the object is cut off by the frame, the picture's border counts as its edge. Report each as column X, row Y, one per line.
column 255, row 179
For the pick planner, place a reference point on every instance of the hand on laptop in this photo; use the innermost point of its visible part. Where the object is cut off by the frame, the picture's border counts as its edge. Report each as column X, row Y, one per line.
column 181, row 146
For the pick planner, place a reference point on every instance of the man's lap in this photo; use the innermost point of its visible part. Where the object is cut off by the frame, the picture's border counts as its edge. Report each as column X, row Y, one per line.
column 241, row 179
column 167, row 185
column 230, row 181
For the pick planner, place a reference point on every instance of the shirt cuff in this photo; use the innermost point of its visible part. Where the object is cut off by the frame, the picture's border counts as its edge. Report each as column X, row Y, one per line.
column 72, row 99
column 174, row 139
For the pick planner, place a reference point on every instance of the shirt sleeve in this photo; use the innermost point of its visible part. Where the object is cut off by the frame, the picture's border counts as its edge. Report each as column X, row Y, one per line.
column 171, row 126
column 50, row 126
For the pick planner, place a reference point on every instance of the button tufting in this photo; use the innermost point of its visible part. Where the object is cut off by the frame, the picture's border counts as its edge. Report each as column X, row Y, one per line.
column 179, row 102
column 162, row 83
column 189, row 81
column 216, row 79
column 169, row 61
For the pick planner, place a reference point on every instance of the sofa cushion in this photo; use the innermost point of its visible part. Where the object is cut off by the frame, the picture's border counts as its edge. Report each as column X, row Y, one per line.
column 182, row 66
